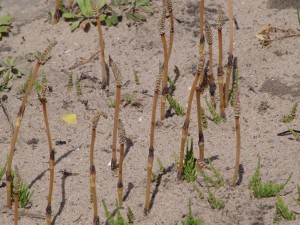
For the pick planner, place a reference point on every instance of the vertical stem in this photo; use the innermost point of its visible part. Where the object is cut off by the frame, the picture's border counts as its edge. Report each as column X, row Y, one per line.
column 56, row 15
column 120, row 181
column 171, row 33
column 201, row 47
column 165, row 79
column 116, row 119
column 51, row 163
column 16, row 207
column 212, row 85
column 101, row 42
column 200, row 130
column 15, row 134
column 230, row 53
column 220, row 74
column 238, row 151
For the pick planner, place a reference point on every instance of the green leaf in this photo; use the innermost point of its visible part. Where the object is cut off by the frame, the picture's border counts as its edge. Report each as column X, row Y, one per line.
column 116, row 2
column 142, row 2
column 4, row 29
column 101, row 4
column 10, row 61
column 68, row 15
column 102, row 17
column 85, row 7
column 74, row 25
column 136, row 17
column 5, row 20
column 114, row 20
column 146, row 9
column 108, row 21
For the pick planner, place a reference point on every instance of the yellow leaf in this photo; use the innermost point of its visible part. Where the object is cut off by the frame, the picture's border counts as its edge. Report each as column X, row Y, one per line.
column 260, row 37
column 69, row 118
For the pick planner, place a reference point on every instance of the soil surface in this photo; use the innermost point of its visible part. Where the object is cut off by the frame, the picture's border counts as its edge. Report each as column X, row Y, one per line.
column 269, row 84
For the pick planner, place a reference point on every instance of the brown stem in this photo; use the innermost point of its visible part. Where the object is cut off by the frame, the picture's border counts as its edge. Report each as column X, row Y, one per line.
column 171, row 34
column 56, row 14
column 51, row 163
column 16, row 206
column 70, row 5
column 151, row 148
column 101, row 42
column 228, row 75
column 116, row 119
column 185, row 127
column 238, row 151
column 15, row 134
column 212, row 85
column 165, row 79
column 220, row 74
column 201, row 48
column 230, row 53
column 200, row 130
column 120, row 181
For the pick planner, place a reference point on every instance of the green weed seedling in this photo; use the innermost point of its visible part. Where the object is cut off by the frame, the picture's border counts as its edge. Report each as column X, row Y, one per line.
column 214, row 202
column 25, row 193
column 136, row 8
column 289, row 118
column 171, row 84
column 201, row 195
column 8, row 71
column 131, row 99
column 264, row 189
column 162, row 169
column 179, row 110
column 3, row 170
column 130, row 215
column 110, row 219
column 190, row 220
column 111, row 103
column 216, row 183
column 189, row 168
column 282, row 211
column 136, row 77
column 216, row 117
column 5, row 25
column 294, row 134
column 297, row 200
column 24, row 86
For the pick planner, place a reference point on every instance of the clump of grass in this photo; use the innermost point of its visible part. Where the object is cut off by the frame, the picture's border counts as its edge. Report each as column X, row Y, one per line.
column 289, row 118
column 189, row 169
column 214, row 202
column 297, row 200
column 201, row 195
column 70, row 82
column 130, row 215
column 162, row 169
column 110, row 219
column 264, row 189
column 282, row 211
column 216, row 183
column 136, row 77
column 111, row 103
column 294, row 134
column 19, row 120
column 190, row 220
column 78, row 87
column 179, row 110
column 216, row 117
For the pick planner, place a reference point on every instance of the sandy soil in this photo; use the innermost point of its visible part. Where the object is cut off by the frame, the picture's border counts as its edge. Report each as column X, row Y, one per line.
column 269, row 85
